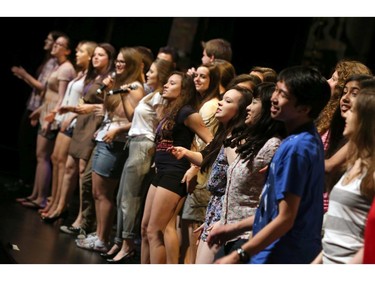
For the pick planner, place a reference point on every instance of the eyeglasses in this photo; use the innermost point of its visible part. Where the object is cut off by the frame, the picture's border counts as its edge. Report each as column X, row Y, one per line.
column 60, row 45
column 120, row 62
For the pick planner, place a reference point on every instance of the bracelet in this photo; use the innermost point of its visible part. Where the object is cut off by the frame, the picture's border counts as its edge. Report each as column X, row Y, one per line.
column 244, row 257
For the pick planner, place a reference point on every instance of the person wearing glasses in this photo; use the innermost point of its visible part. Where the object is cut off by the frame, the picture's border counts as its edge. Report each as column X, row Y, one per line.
column 57, row 84
column 28, row 130
column 90, row 116
column 109, row 156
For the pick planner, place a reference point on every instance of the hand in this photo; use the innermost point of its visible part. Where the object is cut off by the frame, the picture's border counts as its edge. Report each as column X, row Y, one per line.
column 199, row 230
column 98, row 110
column 127, row 88
column 219, row 234
column 108, row 81
column 191, row 72
column 190, row 178
column 35, row 114
column 263, row 170
column 177, row 151
column 84, row 108
column 34, row 122
column 19, row 71
column 50, row 117
column 109, row 136
column 45, row 126
column 65, row 125
column 66, row 108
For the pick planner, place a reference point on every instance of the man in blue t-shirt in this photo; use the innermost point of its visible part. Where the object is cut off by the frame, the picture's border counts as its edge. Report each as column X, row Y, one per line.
column 287, row 224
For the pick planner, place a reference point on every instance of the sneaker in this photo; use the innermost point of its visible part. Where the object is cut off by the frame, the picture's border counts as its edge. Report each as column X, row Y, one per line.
column 70, row 229
column 94, row 245
column 82, row 234
column 90, row 237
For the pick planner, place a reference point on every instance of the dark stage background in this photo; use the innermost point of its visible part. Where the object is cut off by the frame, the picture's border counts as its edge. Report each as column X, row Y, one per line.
column 274, row 42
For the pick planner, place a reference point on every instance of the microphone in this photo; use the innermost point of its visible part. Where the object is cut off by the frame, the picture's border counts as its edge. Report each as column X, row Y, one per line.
column 103, row 87
column 121, row 91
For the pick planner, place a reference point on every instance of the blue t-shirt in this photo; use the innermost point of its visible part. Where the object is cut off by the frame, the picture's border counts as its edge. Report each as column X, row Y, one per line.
column 297, row 167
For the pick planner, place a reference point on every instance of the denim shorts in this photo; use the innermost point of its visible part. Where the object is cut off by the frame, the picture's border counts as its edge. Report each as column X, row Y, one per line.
column 69, row 130
column 50, row 135
column 109, row 159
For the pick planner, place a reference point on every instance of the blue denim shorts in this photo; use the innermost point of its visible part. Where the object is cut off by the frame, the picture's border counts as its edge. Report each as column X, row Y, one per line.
column 109, row 159
column 69, row 130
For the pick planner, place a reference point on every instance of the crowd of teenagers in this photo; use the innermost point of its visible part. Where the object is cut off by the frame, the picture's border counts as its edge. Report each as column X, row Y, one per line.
column 203, row 165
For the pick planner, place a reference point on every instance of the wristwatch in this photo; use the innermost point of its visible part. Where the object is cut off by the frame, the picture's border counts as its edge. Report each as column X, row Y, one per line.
column 244, row 257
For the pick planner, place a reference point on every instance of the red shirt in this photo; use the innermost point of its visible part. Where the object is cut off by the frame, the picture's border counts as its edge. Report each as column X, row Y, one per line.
column 369, row 247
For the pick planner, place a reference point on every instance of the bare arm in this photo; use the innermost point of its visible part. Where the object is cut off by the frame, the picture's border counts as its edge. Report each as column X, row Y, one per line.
column 336, row 160
column 21, row 73
column 318, row 259
column 288, row 208
column 63, row 85
column 193, row 157
column 195, row 123
column 112, row 133
column 358, row 257
column 61, row 92
column 88, row 108
column 224, row 232
column 130, row 101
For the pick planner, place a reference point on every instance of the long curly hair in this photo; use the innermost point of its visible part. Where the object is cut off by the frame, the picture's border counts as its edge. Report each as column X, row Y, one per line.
column 344, row 69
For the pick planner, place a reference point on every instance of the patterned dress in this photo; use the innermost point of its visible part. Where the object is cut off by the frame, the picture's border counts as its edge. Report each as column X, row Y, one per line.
column 216, row 184
column 244, row 186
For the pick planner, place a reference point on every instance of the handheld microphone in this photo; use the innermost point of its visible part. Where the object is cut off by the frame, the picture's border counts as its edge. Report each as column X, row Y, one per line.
column 121, row 91
column 103, row 87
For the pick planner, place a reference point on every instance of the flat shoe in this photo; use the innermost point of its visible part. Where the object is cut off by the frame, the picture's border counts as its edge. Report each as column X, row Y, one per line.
column 70, row 229
column 25, row 199
column 62, row 215
column 128, row 258
column 110, row 256
column 32, row 205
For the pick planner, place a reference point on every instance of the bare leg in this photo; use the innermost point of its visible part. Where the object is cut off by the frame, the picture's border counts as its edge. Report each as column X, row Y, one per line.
column 172, row 243
column 164, row 206
column 43, row 169
column 103, row 190
column 145, row 247
column 205, row 254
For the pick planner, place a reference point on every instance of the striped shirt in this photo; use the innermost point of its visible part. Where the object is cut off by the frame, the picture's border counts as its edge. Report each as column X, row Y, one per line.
column 345, row 224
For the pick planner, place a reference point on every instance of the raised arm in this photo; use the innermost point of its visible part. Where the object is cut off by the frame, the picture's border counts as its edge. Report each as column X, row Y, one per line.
column 131, row 99
column 337, row 160
column 195, row 123
column 21, row 73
